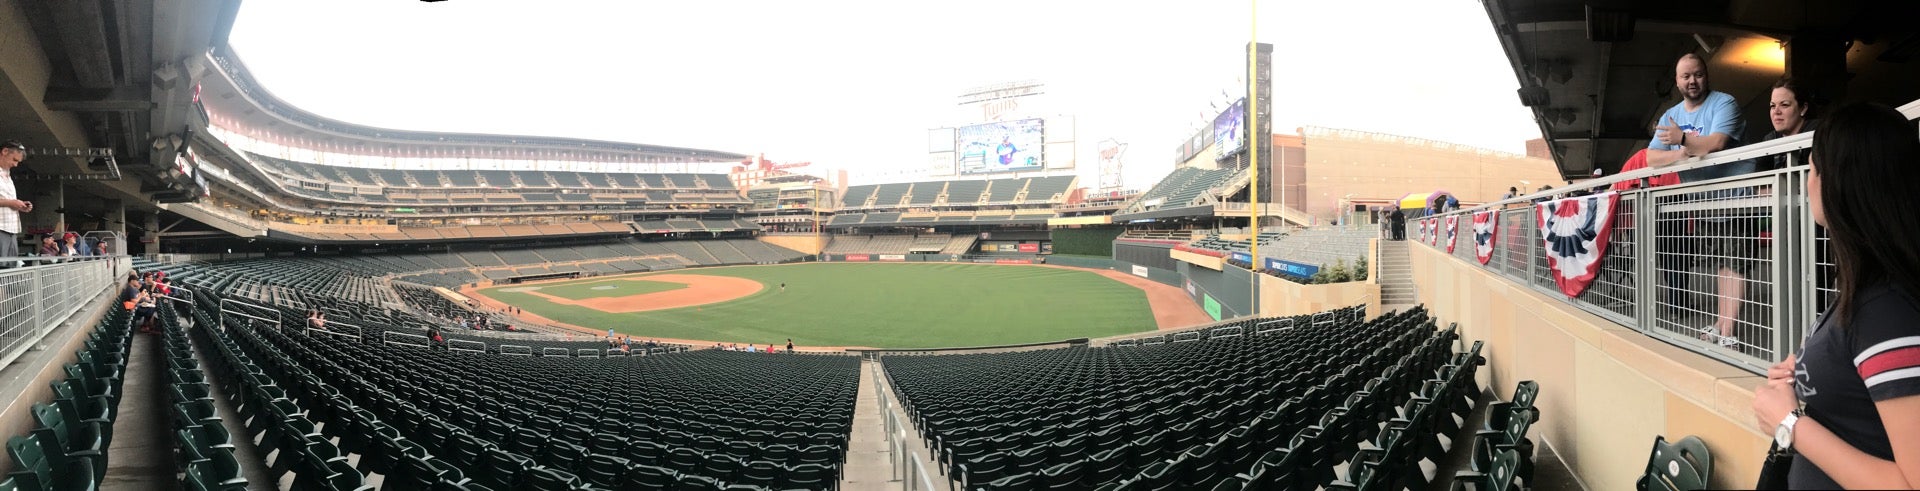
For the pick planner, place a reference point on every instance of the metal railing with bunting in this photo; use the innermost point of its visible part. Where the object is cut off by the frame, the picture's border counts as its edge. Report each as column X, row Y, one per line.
column 1733, row 268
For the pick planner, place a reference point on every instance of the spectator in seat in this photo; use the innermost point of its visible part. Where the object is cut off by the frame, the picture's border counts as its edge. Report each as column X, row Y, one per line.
column 70, row 245
column 1848, row 403
column 129, row 293
column 143, row 310
column 49, row 247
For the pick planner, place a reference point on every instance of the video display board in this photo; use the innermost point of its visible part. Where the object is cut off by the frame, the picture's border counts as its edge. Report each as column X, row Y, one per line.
column 1229, row 129
column 1010, row 146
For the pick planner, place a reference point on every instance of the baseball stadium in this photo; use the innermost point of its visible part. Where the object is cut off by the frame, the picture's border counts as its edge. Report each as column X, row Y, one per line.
column 214, row 279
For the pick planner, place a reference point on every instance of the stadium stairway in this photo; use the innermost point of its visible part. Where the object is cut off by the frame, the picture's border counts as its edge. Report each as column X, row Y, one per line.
column 1396, row 276
column 869, row 462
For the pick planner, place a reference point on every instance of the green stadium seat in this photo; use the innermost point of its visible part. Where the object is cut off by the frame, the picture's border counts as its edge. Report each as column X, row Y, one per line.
column 71, row 439
column 218, row 472
column 1499, row 477
column 1681, row 466
column 38, row 465
column 650, row 477
column 545, row 479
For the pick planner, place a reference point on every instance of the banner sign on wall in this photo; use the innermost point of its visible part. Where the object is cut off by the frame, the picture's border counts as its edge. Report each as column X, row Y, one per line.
column 1190, row 290
column 1243, row 257
column 1292, row 268
column 858, row 257
column 1140, row 271
column 893, row 257
column 1029, row 247
column 1212, row 306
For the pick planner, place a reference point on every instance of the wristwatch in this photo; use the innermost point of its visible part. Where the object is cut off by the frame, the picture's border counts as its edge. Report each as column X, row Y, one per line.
column 1783, row 434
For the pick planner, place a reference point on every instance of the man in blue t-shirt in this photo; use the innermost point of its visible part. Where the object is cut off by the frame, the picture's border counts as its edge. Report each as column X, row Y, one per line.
column 1704, row 121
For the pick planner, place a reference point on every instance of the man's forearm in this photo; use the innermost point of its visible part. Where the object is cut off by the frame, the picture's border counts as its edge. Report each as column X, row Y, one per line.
column 1663, row 158
column 1702, row 145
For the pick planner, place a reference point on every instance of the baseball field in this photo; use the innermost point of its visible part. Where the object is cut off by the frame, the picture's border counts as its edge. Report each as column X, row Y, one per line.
column 903, row 305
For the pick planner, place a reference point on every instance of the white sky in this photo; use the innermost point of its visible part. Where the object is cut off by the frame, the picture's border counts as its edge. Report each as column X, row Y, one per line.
column 857, row 84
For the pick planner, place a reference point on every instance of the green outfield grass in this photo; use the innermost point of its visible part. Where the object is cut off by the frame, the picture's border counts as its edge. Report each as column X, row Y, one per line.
column 879, row 305
column 582, row 290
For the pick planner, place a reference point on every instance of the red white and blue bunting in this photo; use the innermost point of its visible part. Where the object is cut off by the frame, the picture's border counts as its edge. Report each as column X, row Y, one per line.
column 1574, row 232
column 1433, row 231
column 1486, row 230
column 1453, row 231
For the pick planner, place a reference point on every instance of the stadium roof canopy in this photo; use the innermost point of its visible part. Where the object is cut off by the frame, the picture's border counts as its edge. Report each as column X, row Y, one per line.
column 234, row 91
column 1597, row 73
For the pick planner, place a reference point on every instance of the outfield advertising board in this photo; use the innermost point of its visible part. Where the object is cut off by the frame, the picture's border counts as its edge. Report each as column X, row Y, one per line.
column 1029, row 247
column 1243, row 257
column 1140, row 271
column 856, row 258
column 893, row 257
column 1292, row 268
column 1210, row 305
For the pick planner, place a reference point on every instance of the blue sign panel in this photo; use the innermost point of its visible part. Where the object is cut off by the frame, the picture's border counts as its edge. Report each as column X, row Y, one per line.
column 1292, row 268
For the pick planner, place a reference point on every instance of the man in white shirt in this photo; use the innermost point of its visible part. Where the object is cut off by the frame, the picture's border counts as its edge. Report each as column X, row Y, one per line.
column 11, row 153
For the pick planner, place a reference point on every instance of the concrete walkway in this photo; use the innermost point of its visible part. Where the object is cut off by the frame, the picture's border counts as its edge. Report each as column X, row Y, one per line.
column 871, row 462
column 141, row 455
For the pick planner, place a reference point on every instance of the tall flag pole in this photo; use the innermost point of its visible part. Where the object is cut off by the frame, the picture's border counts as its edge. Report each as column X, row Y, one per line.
column 1253, row 148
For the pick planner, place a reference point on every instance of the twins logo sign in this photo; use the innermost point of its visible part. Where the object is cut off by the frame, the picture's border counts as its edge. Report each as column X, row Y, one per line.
column 1574, row 232
column 1453, row 230
column 1485, row 230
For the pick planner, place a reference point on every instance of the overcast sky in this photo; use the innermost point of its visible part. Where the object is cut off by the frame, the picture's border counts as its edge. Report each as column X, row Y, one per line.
column 856, row 84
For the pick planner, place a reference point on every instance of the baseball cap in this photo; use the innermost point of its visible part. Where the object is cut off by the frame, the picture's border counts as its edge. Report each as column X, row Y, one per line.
column 13, row 145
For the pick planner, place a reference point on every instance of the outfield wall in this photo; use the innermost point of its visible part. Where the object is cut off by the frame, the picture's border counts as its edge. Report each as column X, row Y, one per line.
column 1149, row 255
column 1089, row 241
column 1230, row 290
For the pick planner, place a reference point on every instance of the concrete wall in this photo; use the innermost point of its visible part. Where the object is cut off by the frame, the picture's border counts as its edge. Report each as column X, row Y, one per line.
column 1376, row 166
column 810, row 244
column 1606, row 391
column 1282, row 297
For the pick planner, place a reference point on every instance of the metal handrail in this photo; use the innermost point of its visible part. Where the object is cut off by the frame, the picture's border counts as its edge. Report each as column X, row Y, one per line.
column 1650, row 280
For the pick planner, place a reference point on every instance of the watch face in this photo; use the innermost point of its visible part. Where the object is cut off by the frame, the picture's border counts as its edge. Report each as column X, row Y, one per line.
column 1781, row 435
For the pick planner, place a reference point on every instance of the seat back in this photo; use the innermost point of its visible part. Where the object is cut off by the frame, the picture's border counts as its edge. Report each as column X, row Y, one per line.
column 1682, row 466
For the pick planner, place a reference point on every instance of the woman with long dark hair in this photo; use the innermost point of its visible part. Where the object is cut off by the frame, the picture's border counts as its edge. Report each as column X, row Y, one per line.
column 1848, row 404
